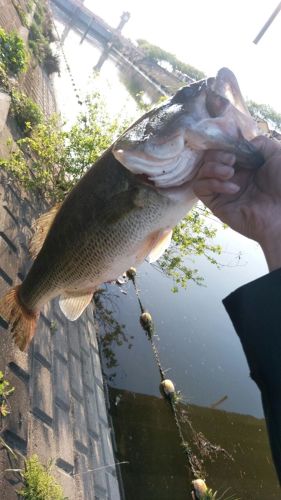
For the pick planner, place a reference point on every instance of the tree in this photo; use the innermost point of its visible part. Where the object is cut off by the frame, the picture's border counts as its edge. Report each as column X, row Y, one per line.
column 158, row 55
column 267, row 113
column 192, row 236
column 52, row 160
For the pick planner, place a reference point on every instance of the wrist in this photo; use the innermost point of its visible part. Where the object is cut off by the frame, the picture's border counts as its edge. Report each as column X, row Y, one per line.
column 271, row 246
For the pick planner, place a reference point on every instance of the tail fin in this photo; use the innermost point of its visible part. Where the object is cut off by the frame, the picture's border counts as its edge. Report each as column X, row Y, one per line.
column 22, row 322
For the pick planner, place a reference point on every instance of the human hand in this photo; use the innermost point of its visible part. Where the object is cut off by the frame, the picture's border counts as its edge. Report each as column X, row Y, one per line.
column 248, row 200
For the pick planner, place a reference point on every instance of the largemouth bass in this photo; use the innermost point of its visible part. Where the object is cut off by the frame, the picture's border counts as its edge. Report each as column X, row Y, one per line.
column 124, row 208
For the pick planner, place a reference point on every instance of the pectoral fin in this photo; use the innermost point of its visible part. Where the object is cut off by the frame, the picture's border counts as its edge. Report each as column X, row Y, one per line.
column 162, row 243
column 73, row 303
column 41, row 227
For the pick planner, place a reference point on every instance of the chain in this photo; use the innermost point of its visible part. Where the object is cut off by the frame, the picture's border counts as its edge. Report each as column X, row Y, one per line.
column 59, row 44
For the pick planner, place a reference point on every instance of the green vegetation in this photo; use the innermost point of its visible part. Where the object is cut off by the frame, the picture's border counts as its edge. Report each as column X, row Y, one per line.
column 22, row 14
column 158, row 55
column 265, row 112
column 5, row 391
column 40, row 37
column 26, row 112
column 52, row 160
column 192, row 236
column 4, row 80
column 29, row 5
column 39, row 484
column 13, row 56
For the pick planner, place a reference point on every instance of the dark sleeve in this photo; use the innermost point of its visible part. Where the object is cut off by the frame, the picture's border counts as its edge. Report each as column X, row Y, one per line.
column 255, row 311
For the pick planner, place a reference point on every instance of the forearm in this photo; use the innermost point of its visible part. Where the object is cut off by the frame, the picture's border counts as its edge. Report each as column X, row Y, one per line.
column 255, row 310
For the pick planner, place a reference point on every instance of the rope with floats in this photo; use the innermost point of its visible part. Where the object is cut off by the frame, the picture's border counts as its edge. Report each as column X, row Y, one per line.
column 200, row 489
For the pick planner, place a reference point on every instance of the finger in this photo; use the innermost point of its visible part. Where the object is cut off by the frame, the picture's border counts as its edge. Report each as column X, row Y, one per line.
column 217, row 156
column 211, row 187
column 268, row 147
column 216, row 171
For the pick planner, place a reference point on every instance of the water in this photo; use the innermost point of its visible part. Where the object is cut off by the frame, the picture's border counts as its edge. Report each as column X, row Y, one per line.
column 196, row 342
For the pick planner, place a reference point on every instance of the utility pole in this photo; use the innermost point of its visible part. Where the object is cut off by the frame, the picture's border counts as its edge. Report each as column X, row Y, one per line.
column 267, row 24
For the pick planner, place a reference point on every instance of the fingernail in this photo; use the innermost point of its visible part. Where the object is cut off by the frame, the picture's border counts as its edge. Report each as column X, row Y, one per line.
column 232, row 188
column 225, row 172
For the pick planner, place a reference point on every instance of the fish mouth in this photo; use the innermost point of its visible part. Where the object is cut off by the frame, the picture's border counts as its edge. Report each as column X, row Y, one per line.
column 168, row 143
column 164, row 164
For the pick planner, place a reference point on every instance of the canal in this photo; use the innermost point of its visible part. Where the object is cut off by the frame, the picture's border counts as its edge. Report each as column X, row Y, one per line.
column 220, row 411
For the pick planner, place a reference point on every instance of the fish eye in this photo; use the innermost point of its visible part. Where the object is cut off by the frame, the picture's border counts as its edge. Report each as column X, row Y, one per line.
column 188, row 92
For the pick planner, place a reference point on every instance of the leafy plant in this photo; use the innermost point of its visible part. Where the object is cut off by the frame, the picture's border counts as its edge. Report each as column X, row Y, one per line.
column 22, row 14
column 5, row 391
column 4, row 80
column 265, row 112
column 192, row 236
column 39, row 39
column 52, row 160
column 29, row 5
column 26, row 112
column 39, row 484
column 51, row 62
column 13, row 55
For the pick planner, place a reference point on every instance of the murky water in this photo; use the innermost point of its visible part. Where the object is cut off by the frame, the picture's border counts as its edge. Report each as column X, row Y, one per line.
column 196, row 342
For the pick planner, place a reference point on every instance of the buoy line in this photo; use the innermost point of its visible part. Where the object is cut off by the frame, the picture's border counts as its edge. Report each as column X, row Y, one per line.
column 167, row 387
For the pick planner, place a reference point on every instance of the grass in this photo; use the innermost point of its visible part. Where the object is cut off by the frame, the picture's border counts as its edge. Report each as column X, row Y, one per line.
column 39, row 484
column 5, row 391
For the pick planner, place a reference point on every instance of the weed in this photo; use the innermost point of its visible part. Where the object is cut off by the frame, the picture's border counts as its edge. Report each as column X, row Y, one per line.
column 13, row 55
column 26, row 112
column 53, row 327
column 40, row 37
column 5, row 391
column 39, row 484
column 4, row 81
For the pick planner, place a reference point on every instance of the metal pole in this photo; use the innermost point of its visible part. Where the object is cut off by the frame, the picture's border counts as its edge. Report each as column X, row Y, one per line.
column 87, row 29
column 267, row 24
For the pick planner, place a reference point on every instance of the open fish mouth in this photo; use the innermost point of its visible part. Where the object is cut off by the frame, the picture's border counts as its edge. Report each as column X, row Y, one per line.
column 167, row 144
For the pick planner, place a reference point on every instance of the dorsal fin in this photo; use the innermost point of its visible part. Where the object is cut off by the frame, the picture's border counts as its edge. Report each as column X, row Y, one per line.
column 41, row 227
column 73, row 303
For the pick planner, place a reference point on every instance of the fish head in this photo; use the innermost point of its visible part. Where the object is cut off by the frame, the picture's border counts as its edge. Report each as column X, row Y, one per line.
column 167, row 144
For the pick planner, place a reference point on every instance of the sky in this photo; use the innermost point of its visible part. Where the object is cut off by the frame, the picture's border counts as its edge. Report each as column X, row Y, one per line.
column 209, row 34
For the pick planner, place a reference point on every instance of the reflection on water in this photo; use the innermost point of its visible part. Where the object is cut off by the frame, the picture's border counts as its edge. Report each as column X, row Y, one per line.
column 196, row 340
column 198, row 349
column 82, row 59
column 147, row 439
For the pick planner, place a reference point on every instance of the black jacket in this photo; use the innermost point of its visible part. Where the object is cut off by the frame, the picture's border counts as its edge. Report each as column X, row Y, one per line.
column 255, row 311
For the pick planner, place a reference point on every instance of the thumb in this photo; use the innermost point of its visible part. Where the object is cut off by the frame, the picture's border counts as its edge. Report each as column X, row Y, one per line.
column 266, row 146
